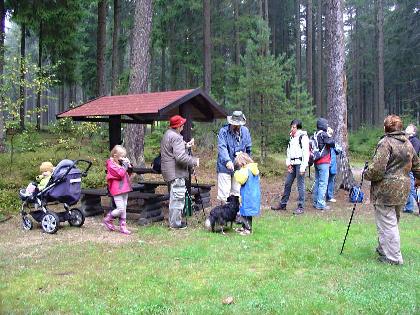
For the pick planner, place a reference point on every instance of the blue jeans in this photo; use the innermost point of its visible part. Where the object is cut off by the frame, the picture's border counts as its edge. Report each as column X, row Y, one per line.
column 321, row 184
column 288, row 187
column 409, row 206
column 331, row 184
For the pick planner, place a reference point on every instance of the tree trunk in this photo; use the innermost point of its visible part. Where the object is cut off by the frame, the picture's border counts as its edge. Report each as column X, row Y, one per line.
column 381, row 91
column 115, row 50
column 318, row 91
column 100, row 49
column 336, row 93
column 22, row 77
column 237, row 43
column 61, row 98
column 2, row 33
column 163, row 66
column 298, row 48
column 139, row 75
column 207, row 46
column 38, row 94
column 309, row 48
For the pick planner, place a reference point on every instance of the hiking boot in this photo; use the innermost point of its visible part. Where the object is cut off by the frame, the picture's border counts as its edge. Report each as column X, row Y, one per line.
column 279, row 207
column 123, row 228
column 298, row 211
column 385, row 260
column 380, row 253
column 109, row 222
column 183, row 226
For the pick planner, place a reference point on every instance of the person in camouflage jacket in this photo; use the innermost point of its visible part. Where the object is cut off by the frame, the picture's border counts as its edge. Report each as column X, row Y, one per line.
column 390, row 184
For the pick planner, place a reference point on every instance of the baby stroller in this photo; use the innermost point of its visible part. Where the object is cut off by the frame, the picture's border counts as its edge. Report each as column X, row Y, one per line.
column 64, row 186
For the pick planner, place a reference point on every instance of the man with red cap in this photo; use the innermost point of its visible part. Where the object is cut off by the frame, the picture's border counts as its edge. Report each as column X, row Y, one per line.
column 175, row 162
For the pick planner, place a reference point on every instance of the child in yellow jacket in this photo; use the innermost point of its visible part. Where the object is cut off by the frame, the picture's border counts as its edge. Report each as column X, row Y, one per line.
column 249, row 178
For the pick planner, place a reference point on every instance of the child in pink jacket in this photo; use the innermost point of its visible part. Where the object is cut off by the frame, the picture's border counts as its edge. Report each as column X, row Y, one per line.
column 119, row 186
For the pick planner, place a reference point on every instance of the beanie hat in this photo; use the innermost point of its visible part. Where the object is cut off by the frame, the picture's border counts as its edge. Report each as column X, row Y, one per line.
column 176, row 121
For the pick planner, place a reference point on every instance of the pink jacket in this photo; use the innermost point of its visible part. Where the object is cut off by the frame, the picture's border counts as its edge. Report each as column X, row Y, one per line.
column 117, row 179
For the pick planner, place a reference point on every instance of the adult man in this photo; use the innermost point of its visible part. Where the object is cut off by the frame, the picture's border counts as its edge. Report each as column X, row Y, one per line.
column 322, row 165
column 411, row 132
column 174, row 164
column 233, row 138
column 297, row 158
column 390, row 185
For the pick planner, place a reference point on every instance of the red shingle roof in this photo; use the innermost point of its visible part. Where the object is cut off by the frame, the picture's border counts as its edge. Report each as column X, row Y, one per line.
column 149, row 103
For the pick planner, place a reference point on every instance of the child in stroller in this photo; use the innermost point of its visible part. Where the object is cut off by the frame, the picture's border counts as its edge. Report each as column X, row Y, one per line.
column 46, row 169
column 64, row 186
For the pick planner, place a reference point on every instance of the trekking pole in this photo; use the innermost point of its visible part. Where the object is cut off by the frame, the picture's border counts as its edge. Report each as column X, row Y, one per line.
column 354, row 206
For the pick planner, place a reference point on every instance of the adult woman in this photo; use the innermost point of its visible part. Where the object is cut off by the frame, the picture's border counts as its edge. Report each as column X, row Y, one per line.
column 388, row 172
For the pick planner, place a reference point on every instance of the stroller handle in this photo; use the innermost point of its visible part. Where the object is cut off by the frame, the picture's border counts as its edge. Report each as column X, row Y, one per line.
column 89, row 164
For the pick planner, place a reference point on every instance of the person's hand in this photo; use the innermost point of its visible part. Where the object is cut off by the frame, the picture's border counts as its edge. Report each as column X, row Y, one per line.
column 302, row 173
column 290, row 168
column 190, row 143
column 229, row 166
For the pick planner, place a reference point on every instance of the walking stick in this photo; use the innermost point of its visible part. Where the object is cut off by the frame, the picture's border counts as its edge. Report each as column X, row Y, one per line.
column 354, row 206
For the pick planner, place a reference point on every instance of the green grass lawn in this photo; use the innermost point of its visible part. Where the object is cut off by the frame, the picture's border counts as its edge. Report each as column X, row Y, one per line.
column 290, row 265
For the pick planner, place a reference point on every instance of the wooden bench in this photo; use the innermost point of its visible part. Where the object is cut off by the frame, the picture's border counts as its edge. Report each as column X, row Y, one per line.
column 200, row 193
column 142, row 206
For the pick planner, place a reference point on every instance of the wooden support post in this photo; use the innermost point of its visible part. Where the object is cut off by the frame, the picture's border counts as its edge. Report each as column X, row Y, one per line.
column 114, row 131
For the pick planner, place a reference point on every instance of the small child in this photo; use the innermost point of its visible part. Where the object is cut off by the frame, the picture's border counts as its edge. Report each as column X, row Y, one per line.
column 119, row 186
column 248, row 177
column 46, row 169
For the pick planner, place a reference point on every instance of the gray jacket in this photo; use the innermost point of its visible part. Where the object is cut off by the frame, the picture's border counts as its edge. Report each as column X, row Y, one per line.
column 174, row 158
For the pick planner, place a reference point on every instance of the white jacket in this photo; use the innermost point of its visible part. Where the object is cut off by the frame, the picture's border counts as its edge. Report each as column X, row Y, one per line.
column 297, row 154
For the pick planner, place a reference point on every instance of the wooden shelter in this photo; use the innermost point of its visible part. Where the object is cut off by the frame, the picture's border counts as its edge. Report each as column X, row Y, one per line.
column 194, row 105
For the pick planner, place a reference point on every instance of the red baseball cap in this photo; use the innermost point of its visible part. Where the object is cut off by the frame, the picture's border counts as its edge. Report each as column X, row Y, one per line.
column 176, row 121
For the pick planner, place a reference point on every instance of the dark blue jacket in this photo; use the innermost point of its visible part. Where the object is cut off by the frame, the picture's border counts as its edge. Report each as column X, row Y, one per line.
column 416, row 143
column 228, row 144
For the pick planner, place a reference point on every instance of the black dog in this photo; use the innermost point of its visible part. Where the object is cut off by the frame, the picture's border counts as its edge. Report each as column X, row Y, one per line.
column 223, row 214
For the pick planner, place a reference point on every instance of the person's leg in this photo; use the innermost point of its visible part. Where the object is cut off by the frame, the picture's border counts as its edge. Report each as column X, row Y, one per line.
column 322, row 186
column 224, row 183
column 388, row 232
column 409, row 206
column 316, row 186
column 123, row 223
column 288, row 187
column 176, row 202
column 119, row 206
column 331, row 187
column 301, row 188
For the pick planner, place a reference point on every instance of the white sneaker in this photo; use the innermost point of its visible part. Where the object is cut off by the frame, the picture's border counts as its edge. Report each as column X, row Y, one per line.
column 332, row 200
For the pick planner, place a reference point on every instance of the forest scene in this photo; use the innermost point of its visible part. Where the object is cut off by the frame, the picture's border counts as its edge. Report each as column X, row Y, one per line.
column 352, row 62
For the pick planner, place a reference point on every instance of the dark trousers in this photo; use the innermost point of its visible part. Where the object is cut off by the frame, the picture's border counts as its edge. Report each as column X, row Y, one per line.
column 288, row 187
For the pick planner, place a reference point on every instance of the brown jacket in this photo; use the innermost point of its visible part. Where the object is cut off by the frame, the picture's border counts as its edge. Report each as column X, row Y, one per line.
column 174, row 158
column 393, row 160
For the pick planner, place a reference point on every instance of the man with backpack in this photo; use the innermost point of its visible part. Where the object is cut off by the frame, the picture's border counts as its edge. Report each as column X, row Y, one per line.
column 320, row 150
column 296, row 162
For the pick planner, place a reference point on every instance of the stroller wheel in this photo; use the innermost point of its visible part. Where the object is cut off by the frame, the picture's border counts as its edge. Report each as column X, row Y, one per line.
column 27, row 224
column 50, row 223
column 76, row 217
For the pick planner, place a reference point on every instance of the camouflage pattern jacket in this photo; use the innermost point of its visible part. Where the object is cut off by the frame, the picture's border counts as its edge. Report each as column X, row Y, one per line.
column 393, row 160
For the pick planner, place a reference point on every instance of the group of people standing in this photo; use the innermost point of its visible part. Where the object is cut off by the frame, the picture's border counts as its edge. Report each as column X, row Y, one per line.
column 392, row 172
column 298, row 155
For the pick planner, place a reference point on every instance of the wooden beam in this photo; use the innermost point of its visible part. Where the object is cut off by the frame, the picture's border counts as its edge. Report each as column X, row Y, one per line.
column 114, row 131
